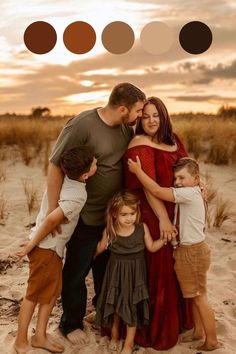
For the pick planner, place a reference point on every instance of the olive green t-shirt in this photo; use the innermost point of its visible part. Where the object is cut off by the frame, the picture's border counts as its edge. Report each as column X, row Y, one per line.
column 109, row 144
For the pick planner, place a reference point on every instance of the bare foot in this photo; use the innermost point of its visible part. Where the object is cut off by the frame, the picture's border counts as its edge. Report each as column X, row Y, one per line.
column 114, row 346
column 126, row 351
column 191, row 337
column 46, row 345
column 208, row 348
column 21, row 349
column 78, row 337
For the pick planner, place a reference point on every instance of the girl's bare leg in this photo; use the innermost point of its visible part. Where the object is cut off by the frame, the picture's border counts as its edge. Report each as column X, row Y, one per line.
column 129, row 340
column 208, row 321
column 26, row 312
column 40, row 339
column 115, row 327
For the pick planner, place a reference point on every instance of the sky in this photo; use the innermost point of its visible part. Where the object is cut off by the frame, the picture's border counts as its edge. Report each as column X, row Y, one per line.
column 68, row 83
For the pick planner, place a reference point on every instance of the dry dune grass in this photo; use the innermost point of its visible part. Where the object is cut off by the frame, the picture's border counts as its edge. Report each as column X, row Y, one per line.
column 219, row 209
column 3, row 206
column 31, row 194
column 211, row 138
column 214, row 140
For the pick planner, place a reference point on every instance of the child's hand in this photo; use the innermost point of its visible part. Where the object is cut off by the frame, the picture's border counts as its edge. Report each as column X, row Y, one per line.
column 24, row 251
column 133, row 166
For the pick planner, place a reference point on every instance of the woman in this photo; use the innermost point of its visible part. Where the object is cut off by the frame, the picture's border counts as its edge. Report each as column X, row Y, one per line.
column 158, row 149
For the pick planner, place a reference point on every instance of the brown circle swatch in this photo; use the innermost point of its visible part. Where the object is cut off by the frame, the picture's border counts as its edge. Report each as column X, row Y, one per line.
column 195, row 37
column 40, row 37
column 79, row 37
column 118, row 37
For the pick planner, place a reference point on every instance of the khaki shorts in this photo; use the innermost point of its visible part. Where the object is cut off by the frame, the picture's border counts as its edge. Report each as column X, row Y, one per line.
column 45, row 275
column 191, row 265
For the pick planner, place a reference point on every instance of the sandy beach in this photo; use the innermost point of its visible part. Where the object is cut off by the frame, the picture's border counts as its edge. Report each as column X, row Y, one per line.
column 14, row 230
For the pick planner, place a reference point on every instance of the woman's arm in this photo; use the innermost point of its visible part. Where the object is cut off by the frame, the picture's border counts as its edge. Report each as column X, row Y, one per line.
column 167, row 229
column 47, row 226
column 151, row 245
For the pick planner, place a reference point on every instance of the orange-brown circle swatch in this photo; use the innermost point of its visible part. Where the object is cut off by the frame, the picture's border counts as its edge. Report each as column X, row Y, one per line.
column 40, row 37
column 79, row 37
column 118, row 37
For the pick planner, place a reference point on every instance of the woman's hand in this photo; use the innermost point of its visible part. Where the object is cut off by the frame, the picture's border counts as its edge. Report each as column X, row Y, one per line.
column 134, row 166
column 168, row 231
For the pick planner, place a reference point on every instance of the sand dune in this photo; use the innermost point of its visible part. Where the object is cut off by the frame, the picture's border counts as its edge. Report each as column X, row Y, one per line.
column 221, row 278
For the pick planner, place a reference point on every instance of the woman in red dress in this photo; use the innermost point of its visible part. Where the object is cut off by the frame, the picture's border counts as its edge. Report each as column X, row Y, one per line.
column 158, row 149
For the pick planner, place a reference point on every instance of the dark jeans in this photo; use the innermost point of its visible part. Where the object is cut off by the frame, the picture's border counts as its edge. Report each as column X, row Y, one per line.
column 79, row 260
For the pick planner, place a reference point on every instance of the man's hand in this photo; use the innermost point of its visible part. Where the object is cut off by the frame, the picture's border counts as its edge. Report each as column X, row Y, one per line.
column 133, row 166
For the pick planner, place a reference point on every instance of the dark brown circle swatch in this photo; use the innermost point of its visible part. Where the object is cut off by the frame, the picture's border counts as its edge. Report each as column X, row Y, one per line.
column 79, row 37
column 195, row 37
column 40, row 37
column 118, row 37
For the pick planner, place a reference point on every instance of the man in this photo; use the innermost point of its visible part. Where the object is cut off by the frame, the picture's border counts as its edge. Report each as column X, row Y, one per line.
column 105, row 130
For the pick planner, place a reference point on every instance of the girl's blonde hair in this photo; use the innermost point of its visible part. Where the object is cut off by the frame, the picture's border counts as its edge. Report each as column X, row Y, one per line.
column 123, row 198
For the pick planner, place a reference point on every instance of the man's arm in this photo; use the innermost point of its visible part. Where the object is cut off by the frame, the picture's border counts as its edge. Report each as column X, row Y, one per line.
column 54, row 183
column 47, row 226
column 148, row 183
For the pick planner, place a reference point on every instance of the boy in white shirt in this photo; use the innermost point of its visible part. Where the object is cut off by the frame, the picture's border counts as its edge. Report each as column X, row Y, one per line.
column 45, row 251
column 192, row 257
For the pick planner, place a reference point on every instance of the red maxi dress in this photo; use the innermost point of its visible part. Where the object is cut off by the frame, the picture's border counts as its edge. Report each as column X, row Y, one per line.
column 169, row 312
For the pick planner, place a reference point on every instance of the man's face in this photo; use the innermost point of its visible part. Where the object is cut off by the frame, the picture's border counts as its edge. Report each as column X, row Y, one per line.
column 132, row 114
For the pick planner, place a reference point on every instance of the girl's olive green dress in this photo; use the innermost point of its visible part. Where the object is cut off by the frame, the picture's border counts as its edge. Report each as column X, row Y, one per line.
column 124, row 289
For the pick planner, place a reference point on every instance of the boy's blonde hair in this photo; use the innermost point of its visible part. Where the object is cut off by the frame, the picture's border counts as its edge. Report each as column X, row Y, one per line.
column 120, row 199
column 191, row 165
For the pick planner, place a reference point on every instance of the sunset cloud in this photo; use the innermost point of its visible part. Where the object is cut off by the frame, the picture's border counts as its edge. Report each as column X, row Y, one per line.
column 66, row 83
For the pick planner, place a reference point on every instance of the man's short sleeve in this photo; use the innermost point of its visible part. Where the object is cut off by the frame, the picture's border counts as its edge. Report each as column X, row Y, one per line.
column 73, row 134
column 183, row 194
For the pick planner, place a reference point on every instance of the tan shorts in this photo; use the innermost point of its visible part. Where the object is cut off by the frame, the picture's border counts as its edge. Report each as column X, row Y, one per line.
column 45, row 275
column 191, row 265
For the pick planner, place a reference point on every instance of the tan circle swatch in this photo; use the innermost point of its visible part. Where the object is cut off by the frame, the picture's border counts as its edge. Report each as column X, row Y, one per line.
column 40, row 37
column 156, row 38
column 79, row 37
column 118, row 37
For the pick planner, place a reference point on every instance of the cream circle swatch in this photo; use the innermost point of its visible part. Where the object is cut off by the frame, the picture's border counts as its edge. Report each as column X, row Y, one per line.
column 156, row 38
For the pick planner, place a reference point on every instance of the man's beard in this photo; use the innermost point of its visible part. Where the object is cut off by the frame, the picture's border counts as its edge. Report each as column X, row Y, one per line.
column 126, row 120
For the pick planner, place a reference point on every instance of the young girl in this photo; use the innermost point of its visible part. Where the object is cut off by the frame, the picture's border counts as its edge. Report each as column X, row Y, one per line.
column 124, row 294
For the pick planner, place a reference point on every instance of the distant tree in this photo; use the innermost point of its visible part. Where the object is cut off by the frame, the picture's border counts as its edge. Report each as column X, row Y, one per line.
column 39, row 112
column 226, row 111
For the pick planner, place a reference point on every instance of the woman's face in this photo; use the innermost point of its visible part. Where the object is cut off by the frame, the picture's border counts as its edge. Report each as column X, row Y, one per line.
column 150, row 119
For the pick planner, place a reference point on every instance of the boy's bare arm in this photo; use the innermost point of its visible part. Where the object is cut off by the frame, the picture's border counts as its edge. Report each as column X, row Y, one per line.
column 148, row 183
column 47, row 226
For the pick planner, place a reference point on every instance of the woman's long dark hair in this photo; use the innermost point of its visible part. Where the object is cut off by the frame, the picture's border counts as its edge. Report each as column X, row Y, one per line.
column 164, row 133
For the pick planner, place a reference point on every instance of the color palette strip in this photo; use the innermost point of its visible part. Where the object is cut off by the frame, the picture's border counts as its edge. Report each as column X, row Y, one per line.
column 118, row 37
